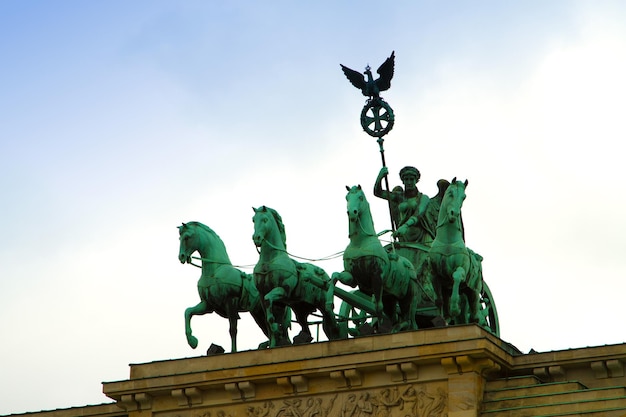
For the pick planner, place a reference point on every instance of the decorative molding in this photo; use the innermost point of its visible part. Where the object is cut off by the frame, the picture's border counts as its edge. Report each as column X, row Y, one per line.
column 615, row 367
column 128, row 403
column 402, row 372
column 608, row 369
column 247, row 389
column 241, row 390
column 347, row 378
column 144, row 400
column 284, row 382
column 300, row 382
column 549, row 373
column 409, row 369
column 396, row 372
column 354, row 377
column 136, row 402
column 294, row 384
column 180, row 396
column 233, row 390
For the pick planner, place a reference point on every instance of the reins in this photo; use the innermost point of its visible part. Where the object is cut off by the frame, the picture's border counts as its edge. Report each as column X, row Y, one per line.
column 325, row 258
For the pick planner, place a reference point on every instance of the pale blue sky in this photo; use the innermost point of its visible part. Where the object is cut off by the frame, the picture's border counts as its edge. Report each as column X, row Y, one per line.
column 121, row 119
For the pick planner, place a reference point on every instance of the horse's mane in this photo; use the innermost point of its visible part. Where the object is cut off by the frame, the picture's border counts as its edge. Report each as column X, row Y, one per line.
column 279, row 224
column 208, row 230
column 456, row 184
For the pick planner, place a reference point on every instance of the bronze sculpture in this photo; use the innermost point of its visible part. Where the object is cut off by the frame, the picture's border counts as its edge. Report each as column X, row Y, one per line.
column 222, row 288
column 457, row 269
column 428, row 272
column 371, row 87
column 283, row 282
column 390, row 279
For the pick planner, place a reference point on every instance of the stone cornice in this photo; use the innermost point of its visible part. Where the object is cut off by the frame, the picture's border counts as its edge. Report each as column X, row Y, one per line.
column 333, row 365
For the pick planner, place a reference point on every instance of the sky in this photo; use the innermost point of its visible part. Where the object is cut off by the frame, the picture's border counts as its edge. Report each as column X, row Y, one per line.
column 121, row 120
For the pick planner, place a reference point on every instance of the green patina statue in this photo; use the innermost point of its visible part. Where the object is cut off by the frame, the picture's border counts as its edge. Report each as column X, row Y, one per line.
column 457, row 269
column 413, row 214
column 222, row 288
column 425, row 277
column 371, row 87
column 283, row 282
column 388, row 278
column 377, row 116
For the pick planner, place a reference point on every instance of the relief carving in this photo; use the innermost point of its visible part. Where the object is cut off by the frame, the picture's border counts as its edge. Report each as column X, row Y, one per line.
column 257, row 411
column 314, row 407
column 391, row 402
column 404, row 401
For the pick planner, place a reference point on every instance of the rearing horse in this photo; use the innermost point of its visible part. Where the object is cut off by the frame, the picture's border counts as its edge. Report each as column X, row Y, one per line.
column 457, row 268
column 283, row 282
column 389, row 278
column 222, row 288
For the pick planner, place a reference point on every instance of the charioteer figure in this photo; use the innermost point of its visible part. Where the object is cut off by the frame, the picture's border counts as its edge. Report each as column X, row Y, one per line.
column 414, row 216
column 411, row 210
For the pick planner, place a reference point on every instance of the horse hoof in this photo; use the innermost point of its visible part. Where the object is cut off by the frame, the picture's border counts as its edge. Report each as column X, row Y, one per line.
column 193, row 341
column 283, row 341
column 302, row 339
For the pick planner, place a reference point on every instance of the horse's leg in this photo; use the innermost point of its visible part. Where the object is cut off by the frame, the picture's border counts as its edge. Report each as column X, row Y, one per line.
column 329, row 296
column 378, row 276
column 329, row 323
column 302, row 316
column 345, row 277
column 201, row 308
column 391, row 320
column 233, row 317
column 458, row 276
column 473, row 298
column 408, row 307
column 274, row 328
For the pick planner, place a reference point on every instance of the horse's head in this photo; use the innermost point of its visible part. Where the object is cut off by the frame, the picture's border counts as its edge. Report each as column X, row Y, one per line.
column 356, row 200
column 267, row 222
column 188, row 243
column 453, row 200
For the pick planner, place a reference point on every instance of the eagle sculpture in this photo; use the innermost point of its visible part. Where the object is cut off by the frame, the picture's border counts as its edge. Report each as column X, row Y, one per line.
column 370, row 87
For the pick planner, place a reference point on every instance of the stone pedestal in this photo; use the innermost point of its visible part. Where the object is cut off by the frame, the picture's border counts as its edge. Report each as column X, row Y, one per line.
column 460, row 371
column 433, row 372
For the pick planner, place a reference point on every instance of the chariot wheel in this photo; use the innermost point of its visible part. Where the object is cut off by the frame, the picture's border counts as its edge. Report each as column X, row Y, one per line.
column 377, row 118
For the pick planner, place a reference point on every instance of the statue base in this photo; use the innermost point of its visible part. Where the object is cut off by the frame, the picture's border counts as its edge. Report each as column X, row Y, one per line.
column 454, row 371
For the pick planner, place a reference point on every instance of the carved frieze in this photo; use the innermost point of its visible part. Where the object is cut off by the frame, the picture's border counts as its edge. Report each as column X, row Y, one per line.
column 424, row 400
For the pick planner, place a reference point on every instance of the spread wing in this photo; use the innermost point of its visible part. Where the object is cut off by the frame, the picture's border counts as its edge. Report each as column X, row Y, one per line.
column 386, row 73
column 355, row 77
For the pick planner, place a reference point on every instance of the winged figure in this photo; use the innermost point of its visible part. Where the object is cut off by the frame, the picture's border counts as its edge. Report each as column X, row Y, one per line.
column 370, row 87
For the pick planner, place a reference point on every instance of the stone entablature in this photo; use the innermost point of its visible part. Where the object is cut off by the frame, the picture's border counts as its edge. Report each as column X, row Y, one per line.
column 455, row 371
column 428, row 372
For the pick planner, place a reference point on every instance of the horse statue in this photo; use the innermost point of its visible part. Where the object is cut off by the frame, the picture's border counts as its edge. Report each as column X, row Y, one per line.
column 222, row 288
column 387, row 277
column 457, row 269
column 283, row 282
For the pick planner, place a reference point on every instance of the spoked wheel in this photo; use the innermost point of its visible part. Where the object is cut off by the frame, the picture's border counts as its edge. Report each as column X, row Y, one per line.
column 377, row 118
